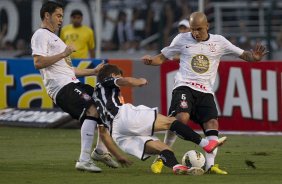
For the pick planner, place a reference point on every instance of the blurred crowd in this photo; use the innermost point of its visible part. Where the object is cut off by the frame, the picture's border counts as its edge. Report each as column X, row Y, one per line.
column 150, row 25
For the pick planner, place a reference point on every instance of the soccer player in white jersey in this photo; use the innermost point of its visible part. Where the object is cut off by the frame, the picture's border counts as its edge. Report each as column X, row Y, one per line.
column 52, row 57
column 133, row 127
column 193, row 96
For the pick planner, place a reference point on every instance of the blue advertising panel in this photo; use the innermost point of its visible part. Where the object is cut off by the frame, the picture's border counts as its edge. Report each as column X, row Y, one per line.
column 21, row 85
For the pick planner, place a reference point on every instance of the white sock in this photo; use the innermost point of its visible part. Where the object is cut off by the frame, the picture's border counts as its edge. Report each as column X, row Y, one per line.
column 169, row 138
column 204, row 142
column 210, row 157
column 87, row 135
column 100, row 146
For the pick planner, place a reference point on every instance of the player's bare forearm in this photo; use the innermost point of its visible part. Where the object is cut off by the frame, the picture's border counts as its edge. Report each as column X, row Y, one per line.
column 109, row 143
column 154, row 60
column 112, row 147
column 80, row 72
column 131, row 82
column 256, row 54
column 248, row 56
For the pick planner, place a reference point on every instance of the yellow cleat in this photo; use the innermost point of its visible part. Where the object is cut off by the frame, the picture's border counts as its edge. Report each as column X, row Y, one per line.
column 215, row 170
column 157, row 166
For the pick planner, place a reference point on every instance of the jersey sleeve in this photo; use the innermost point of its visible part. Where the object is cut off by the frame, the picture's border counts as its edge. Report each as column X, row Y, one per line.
column 109, row 82
column 173, row 49
column 230, row 49
column 39, row 44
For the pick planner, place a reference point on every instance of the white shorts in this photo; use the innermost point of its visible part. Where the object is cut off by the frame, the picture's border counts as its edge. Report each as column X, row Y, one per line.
column 133, row 127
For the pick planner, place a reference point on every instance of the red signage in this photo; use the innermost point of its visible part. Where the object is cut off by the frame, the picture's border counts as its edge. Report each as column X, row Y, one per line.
column 248, row 95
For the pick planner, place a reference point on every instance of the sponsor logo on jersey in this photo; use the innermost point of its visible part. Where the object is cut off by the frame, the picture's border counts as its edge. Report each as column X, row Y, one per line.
column 200, row 63
column 197, row 85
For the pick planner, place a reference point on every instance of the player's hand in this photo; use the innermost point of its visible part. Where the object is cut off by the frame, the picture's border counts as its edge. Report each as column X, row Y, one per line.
column 99, row 67
column 143, row 82
column 124, row 162
column 259, row 52
column 147, row 59
column 69, row 49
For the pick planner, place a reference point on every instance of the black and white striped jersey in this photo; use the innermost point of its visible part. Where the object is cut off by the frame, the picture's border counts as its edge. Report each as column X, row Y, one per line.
column 108, row 99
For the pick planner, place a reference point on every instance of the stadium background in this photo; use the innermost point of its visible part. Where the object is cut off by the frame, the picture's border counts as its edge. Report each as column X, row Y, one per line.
column 248, row 95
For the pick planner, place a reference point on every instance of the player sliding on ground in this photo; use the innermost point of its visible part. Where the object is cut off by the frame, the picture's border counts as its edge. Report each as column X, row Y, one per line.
column 133, row 127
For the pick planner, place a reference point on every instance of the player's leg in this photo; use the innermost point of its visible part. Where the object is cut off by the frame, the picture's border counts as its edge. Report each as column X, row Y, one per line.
column 211, row 133
column 168, row 158
column 74, row 100
column 206, row 116
column 183, row 131
column 89, row 124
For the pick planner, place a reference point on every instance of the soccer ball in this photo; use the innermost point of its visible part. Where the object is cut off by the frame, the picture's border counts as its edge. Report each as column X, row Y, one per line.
column 193, row 158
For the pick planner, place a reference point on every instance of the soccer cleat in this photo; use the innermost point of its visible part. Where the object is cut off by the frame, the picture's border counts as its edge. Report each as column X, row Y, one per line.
column 157, row 166
column 214, row 144
column 106, row 158
column 180, row 169
column 216, row 170
column 87, row 166
column 221, row 141
column 184, row 170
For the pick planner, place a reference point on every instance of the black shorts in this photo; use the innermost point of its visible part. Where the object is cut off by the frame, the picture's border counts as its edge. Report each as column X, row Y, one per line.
column 75, row 99
column 201, row 106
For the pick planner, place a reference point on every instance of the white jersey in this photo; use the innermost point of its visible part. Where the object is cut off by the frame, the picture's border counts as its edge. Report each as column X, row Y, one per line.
column 199, row 60
column 56, row 76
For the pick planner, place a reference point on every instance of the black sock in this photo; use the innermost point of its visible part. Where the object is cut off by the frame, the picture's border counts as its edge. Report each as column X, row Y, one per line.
column 168, row 158
column 185, row 132
column 211, row 133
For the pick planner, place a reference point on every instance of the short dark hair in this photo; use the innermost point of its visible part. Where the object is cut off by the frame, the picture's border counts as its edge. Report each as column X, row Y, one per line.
column 107, row 71
column 76, row 12
column 50, row 7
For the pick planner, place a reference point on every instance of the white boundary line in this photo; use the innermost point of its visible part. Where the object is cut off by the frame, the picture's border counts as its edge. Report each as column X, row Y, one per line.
column 260, row 133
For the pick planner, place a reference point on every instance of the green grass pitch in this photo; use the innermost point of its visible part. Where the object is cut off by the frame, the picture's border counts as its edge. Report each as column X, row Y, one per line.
column 47, row 156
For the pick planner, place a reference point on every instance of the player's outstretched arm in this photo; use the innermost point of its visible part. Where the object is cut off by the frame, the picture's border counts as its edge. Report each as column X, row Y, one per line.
column 80, row 72
column 131, row 82
column 154, row 60
column 112, row 147
column 254, row 55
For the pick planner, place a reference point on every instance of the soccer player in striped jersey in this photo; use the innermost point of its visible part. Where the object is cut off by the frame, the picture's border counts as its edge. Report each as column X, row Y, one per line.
column 133, row 127
column 193, row 95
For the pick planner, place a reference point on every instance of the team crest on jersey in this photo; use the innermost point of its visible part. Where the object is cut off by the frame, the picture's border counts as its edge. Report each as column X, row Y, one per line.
column 86, row 96
column 212, row 47
column 183, row 104
column 68, row 61
column 200, row 63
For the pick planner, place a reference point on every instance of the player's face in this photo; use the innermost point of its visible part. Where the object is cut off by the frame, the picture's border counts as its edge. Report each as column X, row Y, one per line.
column 56, row 19
column 76, row 20
column 199, row 30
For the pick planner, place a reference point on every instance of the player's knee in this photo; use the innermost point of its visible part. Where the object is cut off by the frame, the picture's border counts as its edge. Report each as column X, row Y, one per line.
column 183, row 117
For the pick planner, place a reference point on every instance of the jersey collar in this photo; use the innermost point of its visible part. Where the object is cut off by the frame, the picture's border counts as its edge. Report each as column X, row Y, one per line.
column 202, row 40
